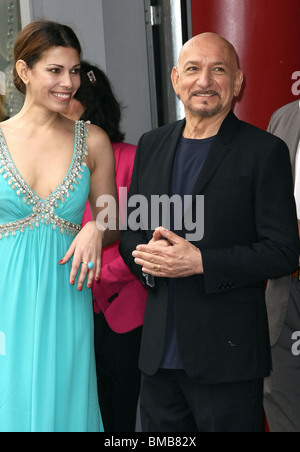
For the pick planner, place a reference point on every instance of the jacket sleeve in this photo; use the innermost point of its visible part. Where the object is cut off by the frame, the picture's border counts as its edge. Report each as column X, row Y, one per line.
column 130, row 238
column 276, row 252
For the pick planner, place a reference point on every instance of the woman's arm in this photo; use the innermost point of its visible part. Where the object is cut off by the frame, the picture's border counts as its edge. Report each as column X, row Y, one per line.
column 104, row 229
column 103, row 185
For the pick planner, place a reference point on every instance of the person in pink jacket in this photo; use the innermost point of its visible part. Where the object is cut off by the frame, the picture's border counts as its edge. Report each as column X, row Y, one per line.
column 119, row 297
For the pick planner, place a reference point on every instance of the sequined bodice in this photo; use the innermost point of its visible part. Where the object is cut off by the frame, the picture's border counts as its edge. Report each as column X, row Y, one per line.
column 21, row 208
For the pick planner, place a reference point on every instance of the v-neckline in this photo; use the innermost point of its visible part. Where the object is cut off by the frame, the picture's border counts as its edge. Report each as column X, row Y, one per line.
column 24, row 183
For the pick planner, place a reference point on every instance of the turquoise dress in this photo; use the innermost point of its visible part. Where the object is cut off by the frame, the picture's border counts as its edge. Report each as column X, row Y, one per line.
column 47, row 365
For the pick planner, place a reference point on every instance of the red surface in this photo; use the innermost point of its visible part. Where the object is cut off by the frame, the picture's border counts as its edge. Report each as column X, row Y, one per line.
column 266, row 34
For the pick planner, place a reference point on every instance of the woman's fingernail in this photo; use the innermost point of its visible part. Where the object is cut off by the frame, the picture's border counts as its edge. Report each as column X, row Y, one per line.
column 72, row 283
column 61, row 262
column 89, row 286
column 80, row 289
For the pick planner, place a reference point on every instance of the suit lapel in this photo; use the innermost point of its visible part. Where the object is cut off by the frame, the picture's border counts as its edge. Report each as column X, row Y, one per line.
column 218, row 152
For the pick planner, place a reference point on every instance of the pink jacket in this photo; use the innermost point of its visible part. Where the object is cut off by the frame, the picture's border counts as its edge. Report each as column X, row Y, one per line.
column 119, row 294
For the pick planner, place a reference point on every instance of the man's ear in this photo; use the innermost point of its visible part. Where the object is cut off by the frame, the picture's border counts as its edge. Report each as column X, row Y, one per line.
column 175, row 79
column 238, row 83
column 23, row 71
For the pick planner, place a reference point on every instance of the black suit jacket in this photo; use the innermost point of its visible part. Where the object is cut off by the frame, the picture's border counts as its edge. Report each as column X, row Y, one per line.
column 250, row 235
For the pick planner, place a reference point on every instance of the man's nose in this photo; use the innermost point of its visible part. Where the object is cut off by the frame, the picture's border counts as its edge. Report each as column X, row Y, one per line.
column 204, row 79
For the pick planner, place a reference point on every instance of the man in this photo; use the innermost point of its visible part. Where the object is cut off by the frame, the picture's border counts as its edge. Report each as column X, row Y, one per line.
column 205, row 348
column 282, row 397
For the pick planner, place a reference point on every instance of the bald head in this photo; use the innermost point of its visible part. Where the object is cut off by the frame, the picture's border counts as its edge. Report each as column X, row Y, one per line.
column 210, row 40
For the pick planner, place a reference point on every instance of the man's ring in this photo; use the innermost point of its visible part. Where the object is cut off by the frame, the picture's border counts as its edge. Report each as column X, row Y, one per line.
column 159, row 268
column 89, row 265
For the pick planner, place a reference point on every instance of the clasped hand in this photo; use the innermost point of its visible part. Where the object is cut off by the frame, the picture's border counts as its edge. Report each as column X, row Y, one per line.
column 169, row 256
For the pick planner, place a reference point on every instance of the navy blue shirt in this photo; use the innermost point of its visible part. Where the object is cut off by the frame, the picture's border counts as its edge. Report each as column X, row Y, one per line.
column 189, row 160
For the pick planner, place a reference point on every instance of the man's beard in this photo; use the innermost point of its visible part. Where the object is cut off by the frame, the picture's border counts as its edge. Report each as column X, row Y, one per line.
column 202, row 111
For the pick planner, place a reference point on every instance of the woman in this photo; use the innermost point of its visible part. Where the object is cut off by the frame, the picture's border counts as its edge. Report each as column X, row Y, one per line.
column 119, row 298
column 49, row 165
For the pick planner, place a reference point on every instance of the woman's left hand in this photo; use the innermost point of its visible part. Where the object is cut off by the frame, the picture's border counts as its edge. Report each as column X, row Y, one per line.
column 86, row 248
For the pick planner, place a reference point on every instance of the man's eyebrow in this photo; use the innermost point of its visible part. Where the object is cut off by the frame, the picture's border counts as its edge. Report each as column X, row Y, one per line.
column 191, row 63
column 220, row 63
column 196, row 63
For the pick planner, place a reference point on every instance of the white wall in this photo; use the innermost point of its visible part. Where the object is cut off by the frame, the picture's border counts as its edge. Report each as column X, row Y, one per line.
column 127, row 63
column 85, row 17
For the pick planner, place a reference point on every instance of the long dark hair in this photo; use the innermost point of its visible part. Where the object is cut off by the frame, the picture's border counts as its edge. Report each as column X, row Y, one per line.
column 102, row 107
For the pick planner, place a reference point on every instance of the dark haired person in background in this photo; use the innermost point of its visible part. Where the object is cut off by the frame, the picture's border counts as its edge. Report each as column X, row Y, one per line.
column 95, row 99
column 47, row 362
column 119, row 297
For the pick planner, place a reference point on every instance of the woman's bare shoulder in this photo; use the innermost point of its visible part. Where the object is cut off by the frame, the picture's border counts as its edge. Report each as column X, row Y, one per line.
column 96, row 134
column 100, row 151
column 98, row 140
